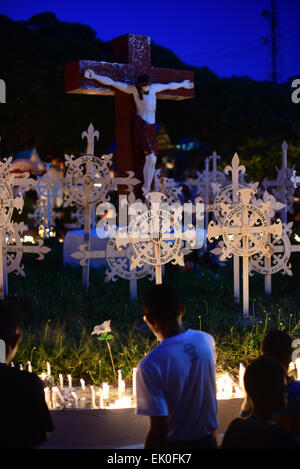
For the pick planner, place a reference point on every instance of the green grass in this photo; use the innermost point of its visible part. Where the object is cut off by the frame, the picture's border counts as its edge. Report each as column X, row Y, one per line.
column 58, row 316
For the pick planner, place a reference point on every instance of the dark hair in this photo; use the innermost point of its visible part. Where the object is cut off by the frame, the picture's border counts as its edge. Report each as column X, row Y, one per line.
column 162, row 302
column 264, row 378
column 277, row 344
column 142, row 80
column 10, row 319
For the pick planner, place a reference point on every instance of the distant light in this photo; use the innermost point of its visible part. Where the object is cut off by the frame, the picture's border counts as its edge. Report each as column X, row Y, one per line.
column 28, row 239
column 297, row 238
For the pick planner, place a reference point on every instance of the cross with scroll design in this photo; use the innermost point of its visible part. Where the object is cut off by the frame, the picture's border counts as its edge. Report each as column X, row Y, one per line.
column 132, row 54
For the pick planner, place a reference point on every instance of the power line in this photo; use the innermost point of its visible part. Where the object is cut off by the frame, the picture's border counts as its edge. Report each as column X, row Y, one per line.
column 240, row 51
column 246, row 43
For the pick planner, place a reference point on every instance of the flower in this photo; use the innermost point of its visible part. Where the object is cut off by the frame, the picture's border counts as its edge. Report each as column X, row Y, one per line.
column 102, row 328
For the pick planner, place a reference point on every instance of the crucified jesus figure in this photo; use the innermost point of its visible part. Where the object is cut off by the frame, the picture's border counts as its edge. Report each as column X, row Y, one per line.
column 144, row 94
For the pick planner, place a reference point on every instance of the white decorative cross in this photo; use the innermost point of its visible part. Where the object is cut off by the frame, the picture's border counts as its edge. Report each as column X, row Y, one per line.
column 167, row 186
column 295, row 179
column 282, row 187
column 245, row 231
column 257, row 260
column 88, row 181
column 14, row 249
column 11, row 245
column 118, row 260
column 7, row 205
column 156, row 237
column 204, row 187
column 229, row 193
column 280, row 249
column 216, row 176
column 48, row 188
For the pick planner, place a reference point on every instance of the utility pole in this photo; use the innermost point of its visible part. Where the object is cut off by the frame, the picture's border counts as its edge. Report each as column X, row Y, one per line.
column 273, row 39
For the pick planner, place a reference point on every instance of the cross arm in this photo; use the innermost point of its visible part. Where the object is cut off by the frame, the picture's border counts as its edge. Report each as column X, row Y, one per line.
column 76, row 82
column 103, row 80
column 173, row 86
column 164, row 77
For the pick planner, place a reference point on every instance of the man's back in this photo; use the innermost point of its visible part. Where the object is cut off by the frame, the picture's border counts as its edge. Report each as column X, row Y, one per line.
column 177, row 379
column 25, row 418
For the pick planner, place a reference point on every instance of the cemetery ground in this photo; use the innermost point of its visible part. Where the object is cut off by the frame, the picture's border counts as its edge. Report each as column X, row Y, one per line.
column 58, row 317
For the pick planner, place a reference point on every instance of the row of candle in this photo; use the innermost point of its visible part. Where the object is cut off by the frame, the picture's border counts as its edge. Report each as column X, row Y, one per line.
column 226, row 388
column 97, row 398
column 51, row 394
column 121, row 382
column 100, row 394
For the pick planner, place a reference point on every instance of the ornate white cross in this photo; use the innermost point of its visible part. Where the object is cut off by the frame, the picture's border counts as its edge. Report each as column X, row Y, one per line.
column 88, row 181
column 228, row 193
column 295, row 179
column 156, row 237
column 14, row 249
column 11, row 245
column 280, row 249
column 245, row 231
column 167, row 186
column 118, row 260
column 282, row 187
column 7, row 205
column 48, row 188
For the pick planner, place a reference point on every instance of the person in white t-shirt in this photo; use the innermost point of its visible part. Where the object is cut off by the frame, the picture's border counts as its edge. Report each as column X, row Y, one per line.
column 176, row 381
column 144, row 95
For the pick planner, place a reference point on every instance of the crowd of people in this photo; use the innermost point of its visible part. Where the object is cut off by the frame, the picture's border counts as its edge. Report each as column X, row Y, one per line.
column 176, row 388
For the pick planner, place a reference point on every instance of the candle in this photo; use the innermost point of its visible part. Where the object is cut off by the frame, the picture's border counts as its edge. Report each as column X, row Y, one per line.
column 75, row 399
column 93, row 397
column 297, row 362
column 101, row 403
column 47, row 397
column 61, row 397
column 61, row 381
column 119, row 382
column 105, row 388
column 69, row 380
column 291, row 366
column 21, row 367
column 122, row 403
column 224, row 387
column 29, row 367
column 48, row 369
column 134, row 381
column 82, row 382
column 241, row 376
column 122, row 387
column 54, row 397
column 238, row 392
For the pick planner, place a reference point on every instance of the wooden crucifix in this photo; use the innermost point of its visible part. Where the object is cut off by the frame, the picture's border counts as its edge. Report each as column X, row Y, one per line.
column 133, row 59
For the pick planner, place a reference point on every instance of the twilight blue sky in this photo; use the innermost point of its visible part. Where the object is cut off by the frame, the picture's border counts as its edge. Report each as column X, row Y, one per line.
column 224, row 35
